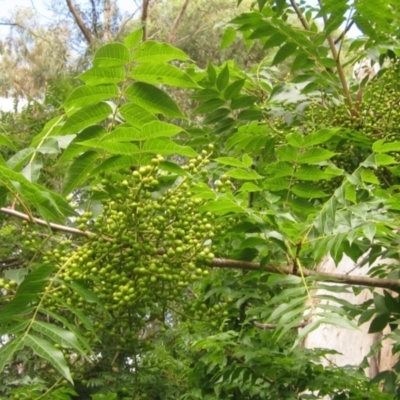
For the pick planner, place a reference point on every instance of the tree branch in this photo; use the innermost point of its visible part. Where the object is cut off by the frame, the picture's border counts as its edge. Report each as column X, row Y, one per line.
column 300, row 15
column 83, row 28
column 54, row 227
column 145, row 11
column 274, row 326
column 393, row 284
column 341, row 36
column 178, row 19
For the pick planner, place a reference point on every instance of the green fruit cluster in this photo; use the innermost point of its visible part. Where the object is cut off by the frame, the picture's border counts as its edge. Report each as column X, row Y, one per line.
column 150, row 243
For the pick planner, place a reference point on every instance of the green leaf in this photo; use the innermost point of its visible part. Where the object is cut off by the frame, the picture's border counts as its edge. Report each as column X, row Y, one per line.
column 166, row 147
column 112, row 147
column 27, row 292
column 284, row 52
column 165, row 74
column 250, row 187
column 287, row 153
column 79, row 171
column 58, row 335
column 86, row 294
column 369, row 231
column 103, row 76
column 222, row 207
column 32, row 170
column 228, row 37
column 233, row 162
column 16, row 275
column 173, row 168
column 47, row 351
column 379, row 323
column 223, row 78
column 209, row 105
column 5, row 141
column 384, row 159
column 307, row 191
column 381, row 147
column 134, row 38
column 247, row 161
column 136, row 115
column 75, row 148
column 369, row 177
column 116, row 163
column 8, row 350
column 295, row 139
column 86, row 95
column 319, row 137
column 315, row 155
column 111, row 55
column 243, row 174
column 85, row 117
column 234, row 89
column 276, row 184
column 150, row 51
column 153, row 100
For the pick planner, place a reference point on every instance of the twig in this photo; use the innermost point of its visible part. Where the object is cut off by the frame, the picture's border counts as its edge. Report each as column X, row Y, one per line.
column 178, row 19
column 81, row 25
column 145, row 11
column 341, row 36
column 51, row 225
column 274, row 326
column 300, row 15
column 393, row 284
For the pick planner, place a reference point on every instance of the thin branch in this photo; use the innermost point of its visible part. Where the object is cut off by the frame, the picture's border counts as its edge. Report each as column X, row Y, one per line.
column 341, row 36
column 178, row 19
column 274, row 326
column 339, row 67
column 393, row 284
column 79, row 21
column 300, row 15
column 54, row 227
column 145, row 11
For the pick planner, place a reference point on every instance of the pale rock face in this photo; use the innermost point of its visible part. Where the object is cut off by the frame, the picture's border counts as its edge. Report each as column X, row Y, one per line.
column 353, row 345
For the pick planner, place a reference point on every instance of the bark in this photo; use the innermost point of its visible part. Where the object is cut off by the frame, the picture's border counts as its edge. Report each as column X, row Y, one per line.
column 145, row 11
column 81, row 25
column 175, row 26
column 108, row 11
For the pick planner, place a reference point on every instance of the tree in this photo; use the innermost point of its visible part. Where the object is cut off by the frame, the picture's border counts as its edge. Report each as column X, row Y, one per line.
column 178, row 258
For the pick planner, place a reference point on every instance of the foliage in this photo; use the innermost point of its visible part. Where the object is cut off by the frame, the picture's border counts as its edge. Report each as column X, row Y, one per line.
column 176, row 259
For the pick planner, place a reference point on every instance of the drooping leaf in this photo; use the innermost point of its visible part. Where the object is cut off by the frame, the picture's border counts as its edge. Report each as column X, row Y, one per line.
column 47, row 351
column 79, row 171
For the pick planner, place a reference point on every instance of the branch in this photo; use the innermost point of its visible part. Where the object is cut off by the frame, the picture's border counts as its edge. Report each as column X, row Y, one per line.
column 341, row 36
column 54, row 227
column 300, row 15
column 393, row 284
column 274, row 326
column 175, row 26
column 340, row 70
column 84, row 29
column 145, row 10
